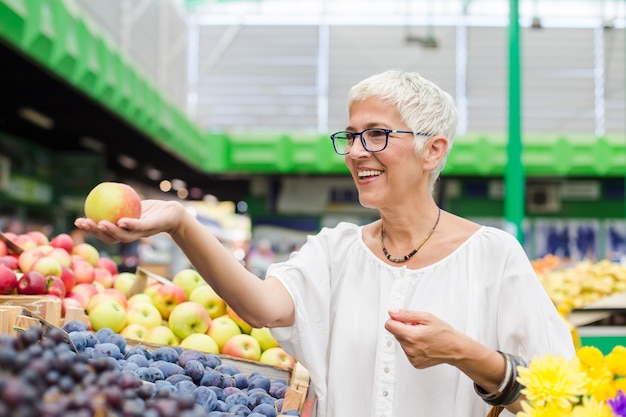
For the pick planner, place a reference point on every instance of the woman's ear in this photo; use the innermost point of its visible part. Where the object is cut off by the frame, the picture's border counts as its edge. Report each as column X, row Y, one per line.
column 436, row 149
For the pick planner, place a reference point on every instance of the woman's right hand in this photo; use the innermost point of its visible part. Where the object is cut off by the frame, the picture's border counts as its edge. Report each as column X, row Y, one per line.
column 156, row 216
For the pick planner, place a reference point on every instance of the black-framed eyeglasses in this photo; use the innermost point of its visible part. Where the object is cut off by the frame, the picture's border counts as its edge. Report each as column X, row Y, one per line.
column 373, row 140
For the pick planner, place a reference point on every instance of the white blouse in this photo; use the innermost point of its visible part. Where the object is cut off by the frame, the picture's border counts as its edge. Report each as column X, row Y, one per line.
column 486, row 289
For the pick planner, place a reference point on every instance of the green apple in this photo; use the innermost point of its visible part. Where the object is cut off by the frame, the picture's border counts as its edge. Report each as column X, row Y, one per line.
column 167, row 297
column 221, row 329
column 47, row 266
column 245, row 327
column 143, row 313
column 201, row 342
column 139, row 298
column 188, row 318
column 134, row 331
column 276, row 356
column 124, row 282
column 264, row 337
column 111, row 201
column 162, row 335
column 188, row 279
column 243, row 346
column 108, row 313
column 207, row 297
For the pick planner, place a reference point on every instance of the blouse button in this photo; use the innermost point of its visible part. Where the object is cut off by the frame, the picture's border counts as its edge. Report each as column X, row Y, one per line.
column 386, row 370
column 389, row 343
column 385, row 393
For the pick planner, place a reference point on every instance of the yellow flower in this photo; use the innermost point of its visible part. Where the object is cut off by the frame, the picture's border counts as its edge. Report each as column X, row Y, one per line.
column 553, row 380
column 547, row 411
column 601, row 384
column 620, row 384
column 616, row 361
column 592, row 408
column 590, row 356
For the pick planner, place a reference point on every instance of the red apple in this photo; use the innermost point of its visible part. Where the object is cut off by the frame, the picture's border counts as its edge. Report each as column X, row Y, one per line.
column 24, row 241
column 64, row 241
column 103, row 276
column 69, row 302
column 87, row 251
column 86, row 289
column 83, row 270
column 38, row 237
column 107, row 263
column 243, row 346
column 166, row 298
column 3, row 249
column 112, row 201
column 55, row 286
column 80, row 298
column 8, row 280
column 27, row 258
column 32, row 283
column 68, row 277
column 9, row 261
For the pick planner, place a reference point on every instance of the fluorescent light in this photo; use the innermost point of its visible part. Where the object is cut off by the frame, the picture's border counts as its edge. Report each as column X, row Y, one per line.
column 154, row 174
column 126, row 161
column 35, row 117
column 92, row 144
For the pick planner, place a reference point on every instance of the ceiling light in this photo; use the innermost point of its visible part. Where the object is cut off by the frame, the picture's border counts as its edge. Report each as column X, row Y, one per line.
column 35, row 117
column 178, row 184
column 165, row 186
column 126, row 161
column 92, row 144
column 154, row 174
column 182, row 193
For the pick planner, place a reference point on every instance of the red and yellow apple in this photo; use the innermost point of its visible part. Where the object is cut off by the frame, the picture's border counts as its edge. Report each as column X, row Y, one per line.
column 245, row 327
column 47, row 266
column 162, row 335
column 112, row 201
column 243, row 346
column 64, row 241
column 264, row 337
column 134, row 331
column 87, row 252
column 167, row 297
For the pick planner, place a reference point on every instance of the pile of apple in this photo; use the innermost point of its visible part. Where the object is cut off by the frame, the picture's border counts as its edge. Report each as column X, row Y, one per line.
column 185, row 312
column 56, row 266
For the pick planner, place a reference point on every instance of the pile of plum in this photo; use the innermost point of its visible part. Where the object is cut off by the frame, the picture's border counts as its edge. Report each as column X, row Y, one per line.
column 42, row 375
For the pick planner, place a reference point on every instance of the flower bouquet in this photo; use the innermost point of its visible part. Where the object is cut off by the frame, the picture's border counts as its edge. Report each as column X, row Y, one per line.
column 587, row 385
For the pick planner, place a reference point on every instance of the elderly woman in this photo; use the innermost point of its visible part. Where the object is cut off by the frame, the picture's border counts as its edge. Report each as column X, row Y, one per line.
column 420, row 313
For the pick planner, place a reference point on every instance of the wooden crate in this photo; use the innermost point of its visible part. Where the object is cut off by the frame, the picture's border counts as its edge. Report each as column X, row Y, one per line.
column 12, row 308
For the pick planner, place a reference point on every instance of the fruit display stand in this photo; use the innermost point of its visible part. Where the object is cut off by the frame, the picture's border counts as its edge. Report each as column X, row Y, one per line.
column 12, row 309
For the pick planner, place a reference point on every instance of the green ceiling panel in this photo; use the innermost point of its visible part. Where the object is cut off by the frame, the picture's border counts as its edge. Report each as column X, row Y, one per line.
column 13, row 15
column 40, row 34
column 65, row 53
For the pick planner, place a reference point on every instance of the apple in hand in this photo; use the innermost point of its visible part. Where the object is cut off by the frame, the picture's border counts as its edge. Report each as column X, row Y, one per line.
column 63, row 241
column 108, row 313
column 8, row 280
column 32, row 283
column 276, row 356
column 206, row 296
column 162, row 335
column 200, row 342
column 143, row 313
column 111, row 201
column 188, row 279
column 265, row 338
column 166, row 298
column 55, row 286
column 243, row 346
column 188, row 318
column 222, row 329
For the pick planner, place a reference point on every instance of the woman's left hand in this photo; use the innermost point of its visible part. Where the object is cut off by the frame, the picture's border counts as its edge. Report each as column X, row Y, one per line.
column 425, row 339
